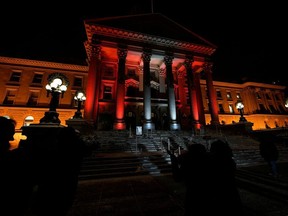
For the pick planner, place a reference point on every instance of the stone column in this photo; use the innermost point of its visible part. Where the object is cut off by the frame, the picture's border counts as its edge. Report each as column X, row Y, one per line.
column 119, row 123
column 93, row 83
column 140, row 78
column 171, row 94
column 147, row 125
column 181, row 85
column 162, row 80
column 202, row 120
column 192, row 95
column 213, row 105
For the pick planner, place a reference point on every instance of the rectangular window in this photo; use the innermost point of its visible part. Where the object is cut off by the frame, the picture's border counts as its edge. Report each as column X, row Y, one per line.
column 206, row 93
column 15, row 77
column 78, row 81
column 37, row 79
column 33, row 98
column 10, row 97
column 109, row 71
column 131, row 73
column 238, row 96
column 231, row 109
column 229, row 96
column 218, row 93
column 221, row 109
column 187, row 98
column 107, row 93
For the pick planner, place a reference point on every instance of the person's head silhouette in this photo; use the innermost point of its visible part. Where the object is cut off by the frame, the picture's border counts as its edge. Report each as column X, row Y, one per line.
column 7, row 131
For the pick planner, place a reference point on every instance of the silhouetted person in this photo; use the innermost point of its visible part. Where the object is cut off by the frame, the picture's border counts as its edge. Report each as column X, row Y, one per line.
column 15, row 173
column 225, row 198
column 269, row 152
column 57, row 188
column 191, row 168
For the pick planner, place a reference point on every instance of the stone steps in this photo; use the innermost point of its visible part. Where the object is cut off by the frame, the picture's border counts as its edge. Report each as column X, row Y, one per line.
column 120, row 154
column 119, row 165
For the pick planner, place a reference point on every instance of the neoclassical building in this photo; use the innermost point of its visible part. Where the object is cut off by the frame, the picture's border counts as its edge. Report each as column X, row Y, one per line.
column 142, row 70
column 148, row 70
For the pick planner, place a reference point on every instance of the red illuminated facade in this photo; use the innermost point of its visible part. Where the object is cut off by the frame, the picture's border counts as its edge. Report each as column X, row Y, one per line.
column 146, row 70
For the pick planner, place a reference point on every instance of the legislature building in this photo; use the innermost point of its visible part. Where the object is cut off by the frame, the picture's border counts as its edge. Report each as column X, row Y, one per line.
column 142, row 70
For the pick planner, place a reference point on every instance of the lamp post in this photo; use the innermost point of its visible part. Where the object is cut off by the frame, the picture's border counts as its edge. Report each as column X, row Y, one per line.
column 57, row 85
column 286, row 103
column 79, row 97
column 240, row 107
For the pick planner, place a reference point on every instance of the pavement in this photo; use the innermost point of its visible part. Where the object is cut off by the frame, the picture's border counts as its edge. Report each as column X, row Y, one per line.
column 159, row 196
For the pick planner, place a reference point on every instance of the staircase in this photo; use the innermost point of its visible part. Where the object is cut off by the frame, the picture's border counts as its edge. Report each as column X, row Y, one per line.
column 122, row 154
column 123, row 165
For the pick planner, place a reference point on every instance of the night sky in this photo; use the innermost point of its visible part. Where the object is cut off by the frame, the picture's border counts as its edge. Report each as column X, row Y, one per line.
column 251, row 38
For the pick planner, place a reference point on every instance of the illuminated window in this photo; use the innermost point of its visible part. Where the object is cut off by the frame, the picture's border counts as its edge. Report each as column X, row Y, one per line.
column 231, row 109
column 229, row 96
column 238, row 96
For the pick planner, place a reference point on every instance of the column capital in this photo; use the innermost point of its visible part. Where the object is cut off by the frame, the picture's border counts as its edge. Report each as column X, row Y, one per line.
column 162, row 72
column 188, row 62
column 180, row 74
column 96, row 51
column 146, row 55
column 122, row 53
column 207, row 66
column 168, row 58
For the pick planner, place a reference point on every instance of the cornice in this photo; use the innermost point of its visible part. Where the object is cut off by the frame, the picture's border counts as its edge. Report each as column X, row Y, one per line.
column 46, row 64
column 243, row 85
column 146, row 38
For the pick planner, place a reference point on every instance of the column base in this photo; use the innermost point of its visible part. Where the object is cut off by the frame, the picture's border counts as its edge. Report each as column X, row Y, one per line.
column 119, row 125
column 175, row 126
column 148, row 126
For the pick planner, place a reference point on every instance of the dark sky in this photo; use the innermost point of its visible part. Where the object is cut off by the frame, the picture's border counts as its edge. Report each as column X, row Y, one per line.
column 251, row 38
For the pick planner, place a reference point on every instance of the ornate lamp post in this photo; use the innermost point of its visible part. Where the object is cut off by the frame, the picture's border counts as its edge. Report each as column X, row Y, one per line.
column 57, row 85
column 79, row 97
column 240, row 107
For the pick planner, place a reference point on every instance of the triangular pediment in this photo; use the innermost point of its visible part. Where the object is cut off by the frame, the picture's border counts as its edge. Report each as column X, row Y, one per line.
column 154, row 29
column 154, row 24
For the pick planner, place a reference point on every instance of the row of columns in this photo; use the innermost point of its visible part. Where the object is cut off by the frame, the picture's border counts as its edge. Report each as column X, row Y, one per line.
column 193, row 79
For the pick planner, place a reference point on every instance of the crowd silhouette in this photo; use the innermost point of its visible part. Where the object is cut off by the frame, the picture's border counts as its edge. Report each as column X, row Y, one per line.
column 42, row 185
column 16, row 180
column 56, row 186
column 269, row 152
column 209, row 177
column 35, row 183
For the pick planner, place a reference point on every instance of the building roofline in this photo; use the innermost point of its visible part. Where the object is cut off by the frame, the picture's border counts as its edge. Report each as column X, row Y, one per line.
column 46, row 64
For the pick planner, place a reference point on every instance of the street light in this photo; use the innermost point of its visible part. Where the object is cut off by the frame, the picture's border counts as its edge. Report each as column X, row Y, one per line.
column 57, row 84
column 240, row 106
column 286, row 103
column 79, row 97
